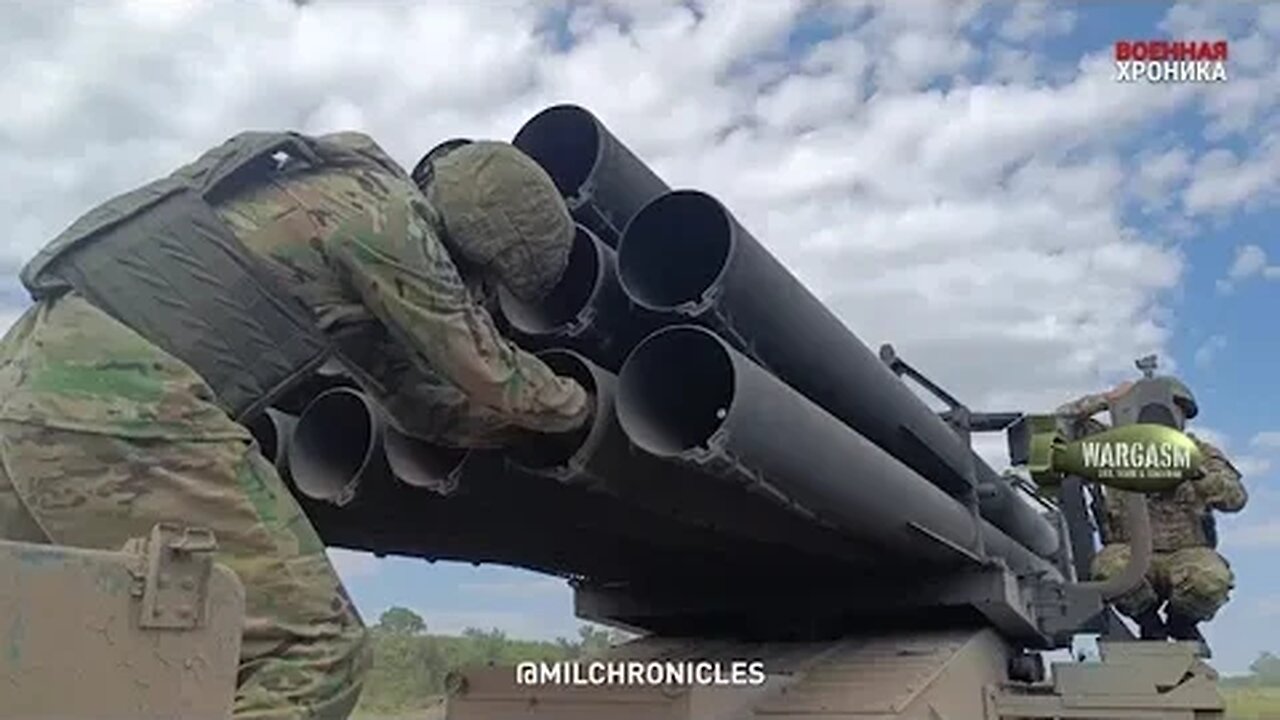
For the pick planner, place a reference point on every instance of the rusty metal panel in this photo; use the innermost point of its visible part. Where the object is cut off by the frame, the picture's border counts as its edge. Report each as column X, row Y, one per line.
column 72, row 645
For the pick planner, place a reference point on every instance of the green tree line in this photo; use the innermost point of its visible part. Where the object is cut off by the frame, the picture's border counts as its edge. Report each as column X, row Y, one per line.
column 1264, row 672
column 410, row 664
column 1256, row 695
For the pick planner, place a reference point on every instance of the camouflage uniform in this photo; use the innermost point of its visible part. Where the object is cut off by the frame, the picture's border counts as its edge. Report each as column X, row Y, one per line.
column 1185, row 570
column 364, row 250
column 103, row 434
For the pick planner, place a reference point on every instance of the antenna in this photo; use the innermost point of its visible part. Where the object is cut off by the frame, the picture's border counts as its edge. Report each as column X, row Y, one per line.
column 1147, row 365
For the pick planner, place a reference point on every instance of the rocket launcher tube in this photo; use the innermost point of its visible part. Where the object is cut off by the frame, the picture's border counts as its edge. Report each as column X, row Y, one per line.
column 273, row 431
column 603, row 182
column 687, row 395
column 586, row 311
column 686, row 257
column 602, row 459
column 342, row 448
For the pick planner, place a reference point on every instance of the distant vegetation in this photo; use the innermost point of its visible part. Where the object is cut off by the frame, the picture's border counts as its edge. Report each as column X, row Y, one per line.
column 1264, row 672
column 410, row 664
column 1255, row 696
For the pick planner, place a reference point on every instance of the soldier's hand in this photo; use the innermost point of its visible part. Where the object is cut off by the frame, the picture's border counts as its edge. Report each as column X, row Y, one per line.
column 567, row 443
column 1118, row 391
column 544, row 449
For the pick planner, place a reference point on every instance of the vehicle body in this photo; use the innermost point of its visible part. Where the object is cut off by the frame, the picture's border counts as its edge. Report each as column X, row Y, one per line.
column 148, row 632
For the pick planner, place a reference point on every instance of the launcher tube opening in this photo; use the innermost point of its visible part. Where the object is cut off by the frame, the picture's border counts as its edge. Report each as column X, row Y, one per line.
column 565, row 141
column 557, row 451
column 675, row 249
column 333, row 444
column 266, row 433
column 423, row 464
column 566, row 300
column 273, row 431
column 675, row 390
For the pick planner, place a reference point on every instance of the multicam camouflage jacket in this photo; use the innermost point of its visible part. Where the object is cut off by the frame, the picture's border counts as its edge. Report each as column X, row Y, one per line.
column 1181, row 517
column 338, row 228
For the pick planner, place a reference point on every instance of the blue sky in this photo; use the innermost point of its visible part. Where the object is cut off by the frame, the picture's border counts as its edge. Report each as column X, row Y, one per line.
column 962, row 179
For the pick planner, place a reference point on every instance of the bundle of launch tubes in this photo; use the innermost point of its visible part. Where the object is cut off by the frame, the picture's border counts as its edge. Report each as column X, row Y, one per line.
column 742, row 433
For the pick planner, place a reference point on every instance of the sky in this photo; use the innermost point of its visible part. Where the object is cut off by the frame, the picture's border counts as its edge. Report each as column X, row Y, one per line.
column 963, row 179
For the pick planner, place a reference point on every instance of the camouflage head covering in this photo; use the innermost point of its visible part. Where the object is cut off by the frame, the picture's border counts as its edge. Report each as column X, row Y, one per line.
column 502, row 213
column 424, row 171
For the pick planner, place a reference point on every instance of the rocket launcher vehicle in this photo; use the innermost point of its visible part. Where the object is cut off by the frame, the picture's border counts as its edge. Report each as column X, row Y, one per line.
column 753, row 469
column 756, row 484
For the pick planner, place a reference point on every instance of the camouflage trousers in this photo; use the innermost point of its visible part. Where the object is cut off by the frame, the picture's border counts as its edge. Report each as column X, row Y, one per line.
column 1194, row 581
column 102, row 435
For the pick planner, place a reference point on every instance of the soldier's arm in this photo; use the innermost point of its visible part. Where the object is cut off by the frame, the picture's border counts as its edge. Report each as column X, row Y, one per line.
column 394, row 259
column 1219, row 484
column 1083, row 407
column 1091, row 405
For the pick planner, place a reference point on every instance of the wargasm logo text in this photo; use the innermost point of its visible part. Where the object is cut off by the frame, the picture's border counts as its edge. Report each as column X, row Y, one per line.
column 1135, row 456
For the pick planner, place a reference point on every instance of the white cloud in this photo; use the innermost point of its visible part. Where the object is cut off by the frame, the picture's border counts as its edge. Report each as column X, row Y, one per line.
column 1214, row 437
column 1028, row 20
column 1221, row 181
column 1259, row 463
column 1209, row 350
column 1159, row 174
column 1251, row 467
column 1014, row 65
column 1250, row 261
column 986, row 216
column 1252, row 95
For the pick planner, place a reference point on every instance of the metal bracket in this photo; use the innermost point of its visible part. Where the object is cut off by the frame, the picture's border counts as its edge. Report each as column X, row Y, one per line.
column 178, row 562
column 963, row 421
column 1066, row 609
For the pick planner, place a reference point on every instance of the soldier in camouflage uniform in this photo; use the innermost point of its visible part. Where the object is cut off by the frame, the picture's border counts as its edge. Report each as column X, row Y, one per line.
column 104, row 433
column 406, row 284
column 1187, row 575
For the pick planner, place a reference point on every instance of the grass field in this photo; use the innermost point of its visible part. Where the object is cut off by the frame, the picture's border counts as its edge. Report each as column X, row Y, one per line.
column 1242, row 704
column 1261, row 703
